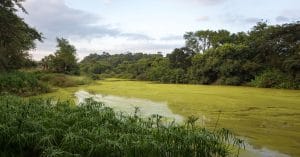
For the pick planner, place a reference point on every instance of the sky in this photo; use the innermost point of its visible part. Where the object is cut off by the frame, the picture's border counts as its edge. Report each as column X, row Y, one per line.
column 149, row 26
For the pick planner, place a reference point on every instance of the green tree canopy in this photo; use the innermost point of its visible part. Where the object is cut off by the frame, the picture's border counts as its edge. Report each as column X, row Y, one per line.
column 16, row 37
column 257, row 57
column 64, row 59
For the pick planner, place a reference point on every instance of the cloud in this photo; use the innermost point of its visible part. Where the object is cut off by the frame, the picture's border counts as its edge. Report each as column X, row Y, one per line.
column 136, row 36
column 55, row 19
column 203, row 19
column 282, row 19
column 172, row 37
column 292, row 13
column 107, row 1
column 202, row 2
column 209, row 2
column 252, row 20
column 240, row 19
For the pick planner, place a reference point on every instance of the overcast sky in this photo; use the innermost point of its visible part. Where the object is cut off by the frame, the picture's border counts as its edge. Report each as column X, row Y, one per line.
column 148, row 26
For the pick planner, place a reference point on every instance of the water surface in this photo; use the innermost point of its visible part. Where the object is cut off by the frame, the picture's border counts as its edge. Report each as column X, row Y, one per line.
column 148, row 108
column 127, row 105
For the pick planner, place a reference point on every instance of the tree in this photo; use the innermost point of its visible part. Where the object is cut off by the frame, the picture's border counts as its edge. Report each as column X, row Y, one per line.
column 181, row 58
column 160, row 70
column 47, row 62
column 277, row 47
column 200, row 41
column 64, row 59
column 16, row 37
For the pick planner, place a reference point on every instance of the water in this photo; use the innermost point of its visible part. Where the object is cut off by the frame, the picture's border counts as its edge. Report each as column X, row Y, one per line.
column 127, row 105
column 260, row 152
column 148, row 108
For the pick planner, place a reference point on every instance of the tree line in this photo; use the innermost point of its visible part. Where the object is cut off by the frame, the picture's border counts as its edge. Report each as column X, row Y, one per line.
column 265, row 56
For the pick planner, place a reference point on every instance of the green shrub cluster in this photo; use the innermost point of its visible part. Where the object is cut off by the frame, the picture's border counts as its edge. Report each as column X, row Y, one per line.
column 62, row 80
column 59, row 80
column 274, row 79
column 21, row 83
column 40, row 127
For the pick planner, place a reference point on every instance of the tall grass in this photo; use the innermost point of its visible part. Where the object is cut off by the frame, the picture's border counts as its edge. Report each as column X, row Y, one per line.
column 21, row 83
column 38, row 127
column 62, row 80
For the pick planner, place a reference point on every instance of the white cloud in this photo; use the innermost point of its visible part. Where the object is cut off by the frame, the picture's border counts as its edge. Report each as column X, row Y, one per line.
column 206, row 2
column 55, row 19
column 203, row 18
column 282, row 19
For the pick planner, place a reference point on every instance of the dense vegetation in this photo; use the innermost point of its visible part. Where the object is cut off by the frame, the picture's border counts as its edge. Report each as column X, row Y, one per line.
column 61, row 80
column 47, row 128
column 64, row 59
column 16, row 37
column 20, row 83
column 266, row 56
column 34, row 83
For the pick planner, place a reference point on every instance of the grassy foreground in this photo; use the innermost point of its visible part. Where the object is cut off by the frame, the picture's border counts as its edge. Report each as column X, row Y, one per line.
column 43, row 127
column 268, row 117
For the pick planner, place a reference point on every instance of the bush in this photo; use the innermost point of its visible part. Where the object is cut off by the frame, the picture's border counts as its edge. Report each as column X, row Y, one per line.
column 234, row 80
column 59, row 80
column 108, row 75
column 94, row 76
column 21, row 83
column 38, row 127
column 63, row 80
column 273, row 79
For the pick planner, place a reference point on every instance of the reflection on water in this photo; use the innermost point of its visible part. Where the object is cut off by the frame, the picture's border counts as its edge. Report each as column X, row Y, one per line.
column 148, row 108
column 127, row 105
column 263, row 152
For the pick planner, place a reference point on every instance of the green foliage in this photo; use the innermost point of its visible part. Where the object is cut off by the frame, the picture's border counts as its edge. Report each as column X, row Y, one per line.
column 212, row 57
column 16, row 37
column 226, row 64
column 21, row 83
column 273, row 79
column 38, row 127
column 58, row 80
column 62, row 80
column 94, row 76
column 200, row 41
column 64, row 60
column 181, row 58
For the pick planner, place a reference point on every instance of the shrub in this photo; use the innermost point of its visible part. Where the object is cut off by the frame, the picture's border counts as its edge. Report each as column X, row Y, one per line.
column 273, row 79
column 21, row 83
column 59, row 80
column 38, row 127
column 94, row 76
column 234, row 80
column 108, row 75
column 63, row 80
